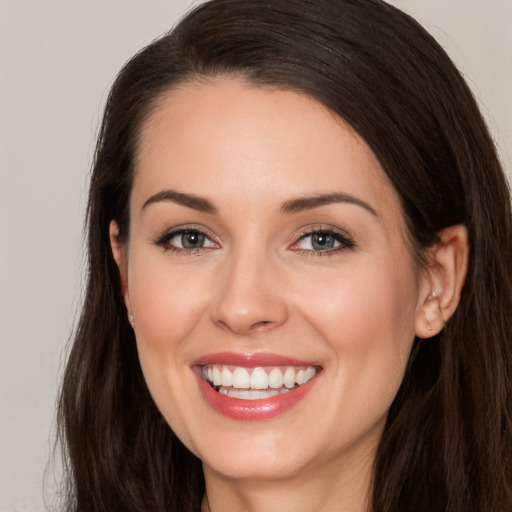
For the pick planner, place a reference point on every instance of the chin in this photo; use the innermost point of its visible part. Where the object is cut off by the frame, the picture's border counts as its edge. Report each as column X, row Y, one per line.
column 255, row 465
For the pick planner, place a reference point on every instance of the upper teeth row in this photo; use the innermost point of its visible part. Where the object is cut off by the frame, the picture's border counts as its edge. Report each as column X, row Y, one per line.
column 239, row 377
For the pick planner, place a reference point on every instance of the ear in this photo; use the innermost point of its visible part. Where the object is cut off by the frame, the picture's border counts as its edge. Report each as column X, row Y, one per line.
column 442, row 281
column 120, row 257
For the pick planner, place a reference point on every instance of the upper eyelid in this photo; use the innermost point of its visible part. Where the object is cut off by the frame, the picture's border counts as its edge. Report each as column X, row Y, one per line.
column 321, row 228
column 167, row 234
column 189, row 227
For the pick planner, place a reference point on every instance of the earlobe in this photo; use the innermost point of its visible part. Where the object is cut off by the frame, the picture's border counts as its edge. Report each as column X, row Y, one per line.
column 443, row 281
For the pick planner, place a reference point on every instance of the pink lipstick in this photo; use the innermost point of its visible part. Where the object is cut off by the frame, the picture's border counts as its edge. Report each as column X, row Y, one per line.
column 254, row 386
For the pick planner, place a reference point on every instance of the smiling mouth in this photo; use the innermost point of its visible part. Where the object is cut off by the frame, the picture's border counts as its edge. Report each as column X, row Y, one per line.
column 255, row 383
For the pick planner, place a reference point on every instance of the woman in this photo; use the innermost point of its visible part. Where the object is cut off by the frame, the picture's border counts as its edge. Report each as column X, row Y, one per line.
column 299, row 284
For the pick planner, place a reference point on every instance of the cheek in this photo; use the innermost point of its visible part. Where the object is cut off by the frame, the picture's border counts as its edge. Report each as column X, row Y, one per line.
column 368, row 323
column 167, row 306
column 375, row 302
column 166, row 303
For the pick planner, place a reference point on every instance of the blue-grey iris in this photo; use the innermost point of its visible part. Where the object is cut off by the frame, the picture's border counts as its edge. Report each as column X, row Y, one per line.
column 192, row 240
column 322, row 241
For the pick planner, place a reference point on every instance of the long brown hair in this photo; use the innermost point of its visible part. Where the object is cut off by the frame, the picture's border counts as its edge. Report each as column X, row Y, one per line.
column 447, row 445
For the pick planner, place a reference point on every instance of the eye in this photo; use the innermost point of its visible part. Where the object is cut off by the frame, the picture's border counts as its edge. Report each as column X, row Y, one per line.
column 323, row 241
column 186, row 240
column 190, row 240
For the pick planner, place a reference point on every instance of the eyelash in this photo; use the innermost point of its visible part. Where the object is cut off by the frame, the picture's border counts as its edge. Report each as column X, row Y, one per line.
column 343, row 238
column 164, row 241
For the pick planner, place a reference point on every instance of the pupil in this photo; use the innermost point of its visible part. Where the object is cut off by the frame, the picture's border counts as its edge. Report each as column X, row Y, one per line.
column 322, row 241
column 192, row 240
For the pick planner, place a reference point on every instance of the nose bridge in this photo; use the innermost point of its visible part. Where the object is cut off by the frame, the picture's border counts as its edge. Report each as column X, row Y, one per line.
column 250, row 298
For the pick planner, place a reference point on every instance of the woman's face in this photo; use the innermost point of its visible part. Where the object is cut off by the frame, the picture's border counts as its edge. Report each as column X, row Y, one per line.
column 266, row 248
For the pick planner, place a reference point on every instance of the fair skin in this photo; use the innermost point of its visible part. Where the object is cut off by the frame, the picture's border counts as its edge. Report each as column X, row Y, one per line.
column 330, row 283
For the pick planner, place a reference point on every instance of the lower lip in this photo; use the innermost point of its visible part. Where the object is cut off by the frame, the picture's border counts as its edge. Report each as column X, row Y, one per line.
column 253, row 410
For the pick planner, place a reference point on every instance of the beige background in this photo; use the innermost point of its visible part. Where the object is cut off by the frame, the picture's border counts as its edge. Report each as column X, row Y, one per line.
column 57, row 61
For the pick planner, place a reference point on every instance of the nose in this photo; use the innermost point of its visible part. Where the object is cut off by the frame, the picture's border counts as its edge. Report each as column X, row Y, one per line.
column 251, row 297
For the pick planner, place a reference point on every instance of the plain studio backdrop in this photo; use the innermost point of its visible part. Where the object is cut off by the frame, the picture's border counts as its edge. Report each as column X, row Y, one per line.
column 58, row 59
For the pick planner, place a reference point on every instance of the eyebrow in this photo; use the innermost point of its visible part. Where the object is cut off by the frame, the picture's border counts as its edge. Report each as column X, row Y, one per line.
column 306, row 203
column 188, row 200
column 298, row 204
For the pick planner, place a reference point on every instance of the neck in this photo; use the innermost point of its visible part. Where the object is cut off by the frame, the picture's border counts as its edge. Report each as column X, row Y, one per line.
column 325, row 488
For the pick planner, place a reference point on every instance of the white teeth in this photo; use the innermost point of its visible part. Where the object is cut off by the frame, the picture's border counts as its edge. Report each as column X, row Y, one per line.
column 259, row 379
column 309, row 373
column 275, row 378
column 240, row 378
column 289, row 378
column 217, row 379
column 227, row 377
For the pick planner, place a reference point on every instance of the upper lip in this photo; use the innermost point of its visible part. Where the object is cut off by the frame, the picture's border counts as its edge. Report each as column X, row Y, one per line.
column 250, row 360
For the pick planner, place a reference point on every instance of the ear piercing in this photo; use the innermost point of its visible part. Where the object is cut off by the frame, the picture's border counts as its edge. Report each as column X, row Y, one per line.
column 429, row 328
column 132, row 321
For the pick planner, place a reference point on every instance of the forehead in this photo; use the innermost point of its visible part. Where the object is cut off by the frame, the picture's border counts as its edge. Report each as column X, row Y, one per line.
column 230, row 139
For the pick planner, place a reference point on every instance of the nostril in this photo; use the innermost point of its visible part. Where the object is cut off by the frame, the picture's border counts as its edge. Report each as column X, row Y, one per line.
column 262, row 325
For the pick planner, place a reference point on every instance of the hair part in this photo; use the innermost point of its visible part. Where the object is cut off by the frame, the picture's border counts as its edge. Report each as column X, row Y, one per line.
column 447, row 444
